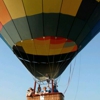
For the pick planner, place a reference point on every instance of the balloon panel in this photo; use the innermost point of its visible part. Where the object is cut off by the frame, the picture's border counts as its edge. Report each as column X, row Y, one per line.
column 47, row 34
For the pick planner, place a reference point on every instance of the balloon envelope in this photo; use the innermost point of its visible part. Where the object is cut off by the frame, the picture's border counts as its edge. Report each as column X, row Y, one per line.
column 46, row 35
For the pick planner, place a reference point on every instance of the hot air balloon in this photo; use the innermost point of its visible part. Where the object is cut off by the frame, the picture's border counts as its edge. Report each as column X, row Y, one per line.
column 46, row 35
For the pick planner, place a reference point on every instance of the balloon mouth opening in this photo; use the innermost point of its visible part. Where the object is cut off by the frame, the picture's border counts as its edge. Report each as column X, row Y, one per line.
column 46, row 46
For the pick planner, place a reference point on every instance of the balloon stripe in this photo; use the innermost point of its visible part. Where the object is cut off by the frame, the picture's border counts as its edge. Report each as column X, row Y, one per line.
column 4, row 15
column 15, row 8
column 70, row 7
column 52, row 46
column 32, row 7
column 51, row 6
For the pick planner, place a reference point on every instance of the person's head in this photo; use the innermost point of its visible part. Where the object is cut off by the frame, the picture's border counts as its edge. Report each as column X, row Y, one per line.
column 31, row 89
column 44, row 88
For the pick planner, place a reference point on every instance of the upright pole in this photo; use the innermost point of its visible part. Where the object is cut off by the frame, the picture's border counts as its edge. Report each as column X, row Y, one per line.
column 34, row 86
column 52, row 86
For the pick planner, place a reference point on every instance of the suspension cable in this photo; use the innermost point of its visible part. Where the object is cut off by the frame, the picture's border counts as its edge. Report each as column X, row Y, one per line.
column 78, row 78
column 70, row 75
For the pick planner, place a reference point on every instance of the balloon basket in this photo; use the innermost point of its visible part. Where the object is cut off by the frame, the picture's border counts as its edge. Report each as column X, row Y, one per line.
column 47, row 96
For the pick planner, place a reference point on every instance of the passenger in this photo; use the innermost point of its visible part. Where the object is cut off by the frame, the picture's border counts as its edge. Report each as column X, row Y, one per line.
column 54, row 89
column 39, row 89
column 30, row 92
column 45, row 90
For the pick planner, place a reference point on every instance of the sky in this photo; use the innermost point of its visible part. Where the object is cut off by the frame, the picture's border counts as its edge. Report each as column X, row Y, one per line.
column 15, row 79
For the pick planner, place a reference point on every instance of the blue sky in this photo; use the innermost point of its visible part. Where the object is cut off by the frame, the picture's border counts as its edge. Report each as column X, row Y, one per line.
column 84, row 85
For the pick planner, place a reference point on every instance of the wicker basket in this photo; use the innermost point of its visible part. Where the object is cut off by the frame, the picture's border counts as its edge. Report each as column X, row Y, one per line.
column 48, row 96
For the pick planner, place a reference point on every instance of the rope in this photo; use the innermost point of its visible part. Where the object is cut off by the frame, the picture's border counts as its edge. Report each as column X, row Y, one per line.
column 68, row 80
column 56, row 36
column 33, row 70
column 70, row 76
column 78, row 78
